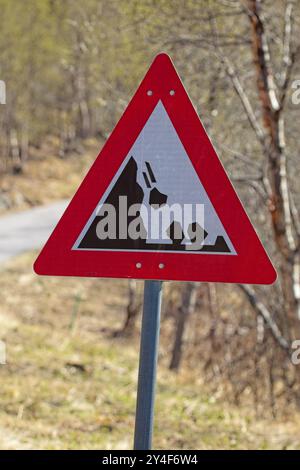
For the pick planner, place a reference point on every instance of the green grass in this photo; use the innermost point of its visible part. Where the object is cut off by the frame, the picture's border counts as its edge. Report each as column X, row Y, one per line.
column 75, row 388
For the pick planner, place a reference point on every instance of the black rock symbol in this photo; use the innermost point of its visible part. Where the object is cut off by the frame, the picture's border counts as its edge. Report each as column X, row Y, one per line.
column 156, row 198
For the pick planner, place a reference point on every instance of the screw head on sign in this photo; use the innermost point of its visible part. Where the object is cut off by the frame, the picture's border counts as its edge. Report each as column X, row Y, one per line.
column 149, row 92
column 139, row 265
column 161, row 265
column 172, row 92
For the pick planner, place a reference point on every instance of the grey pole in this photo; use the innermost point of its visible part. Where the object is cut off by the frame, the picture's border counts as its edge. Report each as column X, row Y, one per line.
column 147, row 366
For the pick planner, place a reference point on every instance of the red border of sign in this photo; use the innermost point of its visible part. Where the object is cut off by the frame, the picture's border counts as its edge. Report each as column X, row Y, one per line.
column 251, row 265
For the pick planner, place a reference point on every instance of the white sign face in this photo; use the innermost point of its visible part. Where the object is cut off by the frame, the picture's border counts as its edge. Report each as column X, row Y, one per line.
column 156, row 201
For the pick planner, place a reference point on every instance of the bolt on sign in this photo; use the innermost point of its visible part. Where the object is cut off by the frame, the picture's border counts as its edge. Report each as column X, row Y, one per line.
column 157, row 203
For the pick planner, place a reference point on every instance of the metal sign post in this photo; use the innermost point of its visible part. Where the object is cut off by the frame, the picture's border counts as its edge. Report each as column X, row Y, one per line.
column 147, row 366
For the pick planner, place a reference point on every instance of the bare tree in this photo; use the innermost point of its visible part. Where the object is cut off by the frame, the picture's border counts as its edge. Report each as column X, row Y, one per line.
column 258, row 57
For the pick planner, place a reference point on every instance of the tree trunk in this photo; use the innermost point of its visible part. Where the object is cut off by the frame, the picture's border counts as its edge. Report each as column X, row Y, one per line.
column 272, row 101
column 132, row 310
column 186, row 308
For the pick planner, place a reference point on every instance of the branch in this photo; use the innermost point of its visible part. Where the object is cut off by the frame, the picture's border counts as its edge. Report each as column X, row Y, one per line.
column 274, row 124
column 289, row 56
column 229, row 69
column 265, row 76
column 237, row 155
column 286, row 58
column 204, row 42
column 232, row 74
column 262, row 310
column 259, row 189
column 246, row 178
column 296, row 219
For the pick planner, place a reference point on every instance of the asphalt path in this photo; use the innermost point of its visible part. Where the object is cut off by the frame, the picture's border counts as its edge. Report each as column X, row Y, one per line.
column 28, row 230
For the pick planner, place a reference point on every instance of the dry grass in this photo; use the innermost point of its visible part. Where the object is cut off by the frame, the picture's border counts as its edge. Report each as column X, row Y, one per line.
column 46, row 177
column 68, row 384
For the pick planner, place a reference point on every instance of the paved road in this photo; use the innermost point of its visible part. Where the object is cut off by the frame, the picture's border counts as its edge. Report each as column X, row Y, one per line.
column 28, row 230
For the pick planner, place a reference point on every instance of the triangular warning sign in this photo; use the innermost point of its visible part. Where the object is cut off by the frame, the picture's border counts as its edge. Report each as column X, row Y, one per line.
column 157, row 203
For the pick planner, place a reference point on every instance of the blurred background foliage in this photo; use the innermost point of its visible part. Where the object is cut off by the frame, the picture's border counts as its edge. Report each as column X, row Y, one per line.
column 70, row 68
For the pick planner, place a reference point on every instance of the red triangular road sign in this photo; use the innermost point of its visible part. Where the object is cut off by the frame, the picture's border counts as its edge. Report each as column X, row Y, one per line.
column 158, row 156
